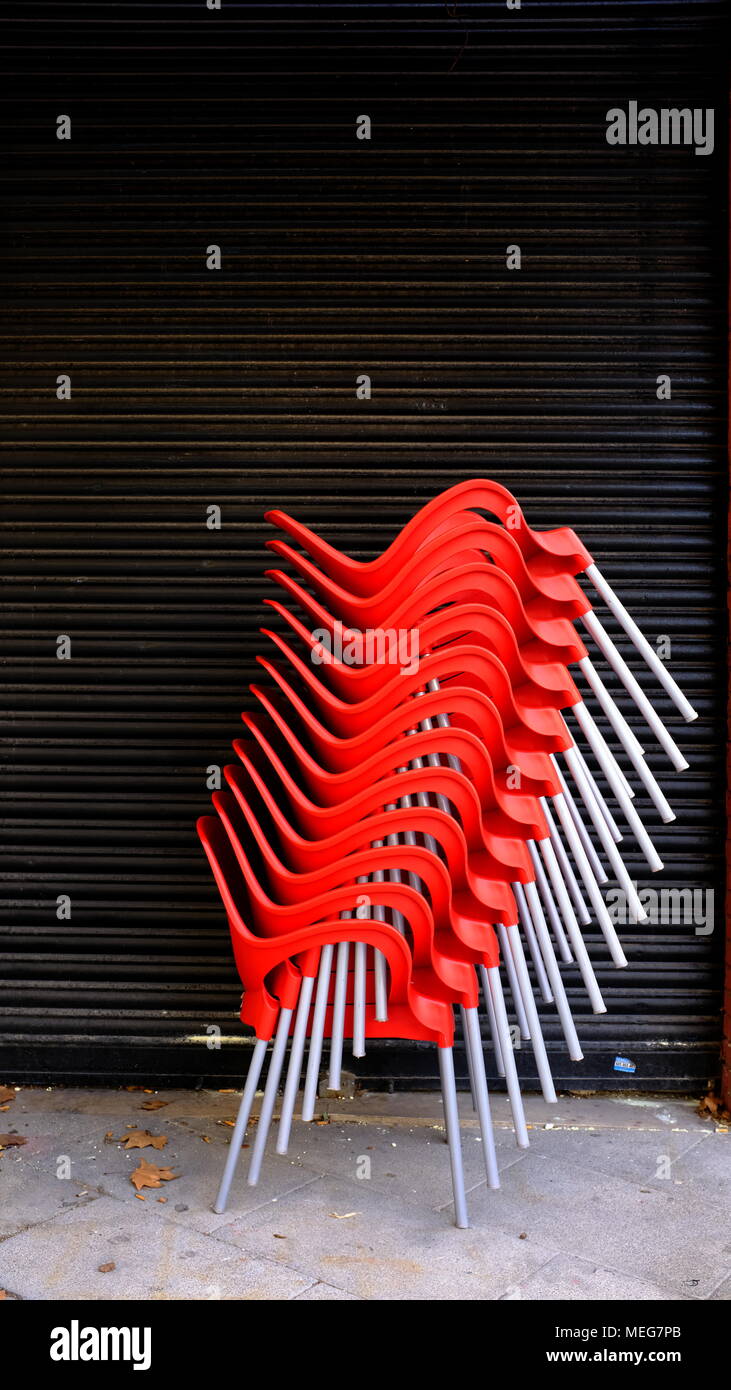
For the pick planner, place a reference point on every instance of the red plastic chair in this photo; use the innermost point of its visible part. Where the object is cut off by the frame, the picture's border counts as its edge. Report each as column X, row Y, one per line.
column 374, row 806
column 265, row 966
column 552, row 559
column 469, row 918
column 457, row 790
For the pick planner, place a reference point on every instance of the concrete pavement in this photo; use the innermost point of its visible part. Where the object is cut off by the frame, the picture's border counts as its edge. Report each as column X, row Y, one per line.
column 617, row 1198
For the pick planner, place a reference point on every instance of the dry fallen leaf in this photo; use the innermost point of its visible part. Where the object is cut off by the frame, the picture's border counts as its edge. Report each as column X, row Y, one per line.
column 149, row 1175
column 134, row 1088
column 6, row 1094
column 713, row 1107
column 205, row 1139
column 230, row 1123
column 142, row 1139
column 277, row 1236
column 12, row 1141
column 344, row 1215
column 153, row 1104
column 162, row 1199
column 107, row 1268
column 3, row 1293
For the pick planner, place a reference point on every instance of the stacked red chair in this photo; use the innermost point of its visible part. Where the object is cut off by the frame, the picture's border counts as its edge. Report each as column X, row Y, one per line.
column 412, row 820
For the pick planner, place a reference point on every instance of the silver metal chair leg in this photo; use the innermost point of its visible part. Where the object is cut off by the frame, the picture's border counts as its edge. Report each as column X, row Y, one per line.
column 557, row 986
column 296, row 1053
column 573, row 929
column 468, row 1055
column 592, row 887
column 359, row 999
column 493, row 987
column 338, row 1024
column 482, row 1099
column 640, row 642
column 526, row 922
column 270, row 1096
column 549, row 904
column 597, row 797
column 511, row 943
column 616, row 778
column 597, row 867
column 567, row 868
column 506, row 960
column 618, row 865
column 497, row 1041
column 317, row 1033
column 451, row 1121
column 242, row 1120
column 634, row 689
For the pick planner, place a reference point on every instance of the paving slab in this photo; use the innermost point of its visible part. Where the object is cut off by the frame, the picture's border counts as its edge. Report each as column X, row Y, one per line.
column 195, row 1150
column 322, row 1293
column 645, row 1158
column 154, row 1259
column 409, row 1163
column 672, row 1238
column 567, row 1278
column 618, row 1196
column 27, row 1199
column 380, row 1248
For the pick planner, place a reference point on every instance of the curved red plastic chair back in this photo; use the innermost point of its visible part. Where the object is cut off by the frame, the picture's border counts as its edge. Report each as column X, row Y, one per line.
column 264, row 964
column 497, row 857
column 483, row 584
column 426, row 820
column 475, row 733
column 469, row 621
column 459, row 910
column 548, row 553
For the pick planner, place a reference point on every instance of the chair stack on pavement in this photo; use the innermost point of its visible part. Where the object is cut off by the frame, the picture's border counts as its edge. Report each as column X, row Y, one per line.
column 412, row 832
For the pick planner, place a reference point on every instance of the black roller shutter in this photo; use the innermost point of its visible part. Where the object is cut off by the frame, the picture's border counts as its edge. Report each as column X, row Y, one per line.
column 236, row 387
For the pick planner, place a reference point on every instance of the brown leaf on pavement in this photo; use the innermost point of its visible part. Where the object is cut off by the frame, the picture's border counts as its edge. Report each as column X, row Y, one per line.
column 107, row 1268
column 153, row 1104
column 12, row 1141
column 712, row 1107
column 6, row 1094
column 149, row 1175
column 142, row 1139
